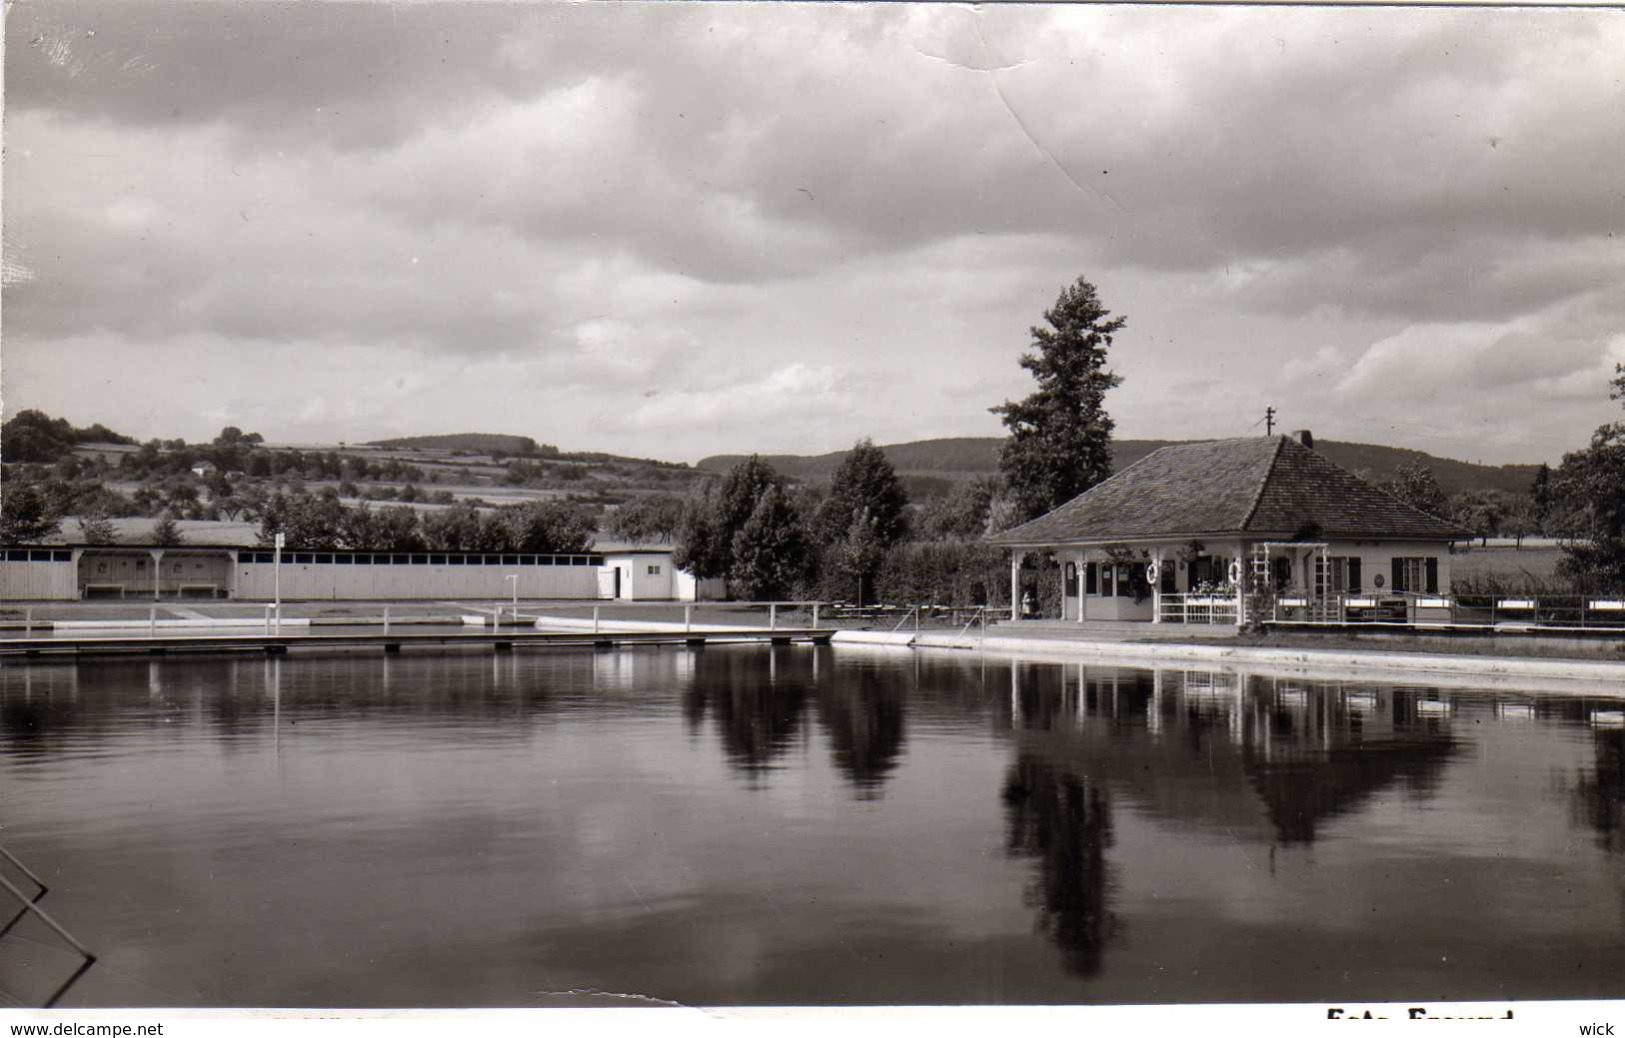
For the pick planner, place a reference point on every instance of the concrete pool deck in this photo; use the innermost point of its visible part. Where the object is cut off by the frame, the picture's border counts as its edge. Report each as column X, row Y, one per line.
column 1050, row 642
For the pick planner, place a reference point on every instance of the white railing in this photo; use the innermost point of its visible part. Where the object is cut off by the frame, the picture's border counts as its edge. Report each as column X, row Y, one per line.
column 1199, row 608
column 1429, row 609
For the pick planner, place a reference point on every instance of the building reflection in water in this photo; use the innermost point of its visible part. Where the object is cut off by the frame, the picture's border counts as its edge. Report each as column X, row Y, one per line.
column 1255, row 758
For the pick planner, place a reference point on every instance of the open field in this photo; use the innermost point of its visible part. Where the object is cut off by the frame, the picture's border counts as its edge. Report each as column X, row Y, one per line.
column 1536, row 565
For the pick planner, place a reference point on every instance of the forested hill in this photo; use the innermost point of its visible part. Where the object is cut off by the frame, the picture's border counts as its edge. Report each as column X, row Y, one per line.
column 932, row 461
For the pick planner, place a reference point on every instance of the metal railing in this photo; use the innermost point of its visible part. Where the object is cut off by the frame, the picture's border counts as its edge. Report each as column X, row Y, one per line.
column 31, row 905
column 1421, row 609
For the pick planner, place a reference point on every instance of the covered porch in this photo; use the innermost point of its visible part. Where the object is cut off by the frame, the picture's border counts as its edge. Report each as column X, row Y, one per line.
column 1191, row 582
column 1177, row 582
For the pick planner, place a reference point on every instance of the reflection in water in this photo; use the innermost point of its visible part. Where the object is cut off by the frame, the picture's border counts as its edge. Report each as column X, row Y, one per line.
column 758, row 705
column 1189, row 744
column 863, row 716
column 1599, row 792
column 1063, row 821
column 1322, row 758
column 464, row 828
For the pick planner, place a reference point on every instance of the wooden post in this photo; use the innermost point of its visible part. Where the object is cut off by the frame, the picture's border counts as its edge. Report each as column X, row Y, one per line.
column 688, row 618
column 28, row 623
column 815, row 616
column 772, row 616
column 595, row 619
column 152, row 621
column 386, row 620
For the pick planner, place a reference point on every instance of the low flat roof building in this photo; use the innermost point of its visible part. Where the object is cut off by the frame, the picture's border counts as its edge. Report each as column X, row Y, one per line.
column 1180, row 534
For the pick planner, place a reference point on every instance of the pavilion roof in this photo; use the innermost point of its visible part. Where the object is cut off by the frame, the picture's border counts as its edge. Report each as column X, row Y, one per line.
column 1256, row 487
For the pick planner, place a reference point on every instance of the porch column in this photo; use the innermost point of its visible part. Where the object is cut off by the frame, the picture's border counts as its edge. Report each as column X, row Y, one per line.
column 1083, row 603
column 1015, row 584
column 1239, row 567
column 157, row 570
column 1156, row 590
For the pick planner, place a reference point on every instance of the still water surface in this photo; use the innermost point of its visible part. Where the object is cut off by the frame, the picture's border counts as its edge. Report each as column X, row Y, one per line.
column 799, row 825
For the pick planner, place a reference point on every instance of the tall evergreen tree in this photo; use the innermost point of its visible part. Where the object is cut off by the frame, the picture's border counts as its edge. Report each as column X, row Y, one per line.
column 1060, row 435
column 864, row 485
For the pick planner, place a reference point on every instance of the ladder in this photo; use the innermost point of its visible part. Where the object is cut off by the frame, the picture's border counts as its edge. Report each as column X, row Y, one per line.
column 31, row 904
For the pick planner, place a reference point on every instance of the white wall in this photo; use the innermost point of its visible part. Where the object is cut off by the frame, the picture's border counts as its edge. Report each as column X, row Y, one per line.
column 690, row 589
column 332, row 581
column 51, row 578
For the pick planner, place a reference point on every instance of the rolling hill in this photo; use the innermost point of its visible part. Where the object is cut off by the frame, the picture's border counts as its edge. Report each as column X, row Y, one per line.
column 933, row 465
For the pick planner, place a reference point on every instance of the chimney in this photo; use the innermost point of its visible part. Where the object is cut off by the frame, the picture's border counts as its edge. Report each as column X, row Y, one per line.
column 1305, row 437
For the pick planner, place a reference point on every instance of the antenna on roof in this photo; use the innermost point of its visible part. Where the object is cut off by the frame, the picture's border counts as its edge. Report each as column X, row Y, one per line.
column 1269, row 421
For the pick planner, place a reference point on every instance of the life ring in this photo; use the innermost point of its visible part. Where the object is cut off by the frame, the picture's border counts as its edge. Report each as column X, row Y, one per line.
column 1235, row 572
column 1151, row 573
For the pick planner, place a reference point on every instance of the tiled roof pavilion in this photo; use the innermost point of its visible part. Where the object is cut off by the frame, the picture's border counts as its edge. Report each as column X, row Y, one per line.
column 1258, row 488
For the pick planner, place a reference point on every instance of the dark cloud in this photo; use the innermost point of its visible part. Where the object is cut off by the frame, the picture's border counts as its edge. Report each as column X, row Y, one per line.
column 776, row 182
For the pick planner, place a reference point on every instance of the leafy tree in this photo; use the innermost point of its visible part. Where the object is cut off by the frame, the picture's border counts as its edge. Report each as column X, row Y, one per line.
column 1414, row 484
column 1588, row 505
column 865, row 489
column 1480, row 511
column 1540, row 495
column 700, row 547
column 166, row 532
column 860, row 553
column 1520, row 518
column 396, row 528
column 548, row 527
column 26, row 515
column 712, row 518
column 770, row 549
column 961, row 514
column 97, row 528
column 35, row 436
column 230, row 434
column 1060, row 435
column 454, row 529
column 652, row 519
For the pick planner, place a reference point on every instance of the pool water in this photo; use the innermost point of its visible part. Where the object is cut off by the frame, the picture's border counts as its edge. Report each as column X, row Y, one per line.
column 798, row 825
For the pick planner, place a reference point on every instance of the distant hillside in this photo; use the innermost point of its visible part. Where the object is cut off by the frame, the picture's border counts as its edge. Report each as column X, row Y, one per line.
column 933, row 465
column 477, row 443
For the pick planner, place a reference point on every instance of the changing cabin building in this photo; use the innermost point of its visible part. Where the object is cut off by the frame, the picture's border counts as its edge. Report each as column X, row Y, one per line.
column 1184, row 533
column 126, row 571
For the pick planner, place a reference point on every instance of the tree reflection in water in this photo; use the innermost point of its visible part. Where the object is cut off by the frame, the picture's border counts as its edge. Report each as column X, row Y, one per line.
column 863, row 716
column 1063, row 821
column 758, row 701
column 1599, row 792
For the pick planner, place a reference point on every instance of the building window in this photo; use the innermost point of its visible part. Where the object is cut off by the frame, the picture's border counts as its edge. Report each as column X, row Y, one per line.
column 1416, row 574
column 654, row 571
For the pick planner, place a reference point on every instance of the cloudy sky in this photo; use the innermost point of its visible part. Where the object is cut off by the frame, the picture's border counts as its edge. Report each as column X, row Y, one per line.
column 678, row 230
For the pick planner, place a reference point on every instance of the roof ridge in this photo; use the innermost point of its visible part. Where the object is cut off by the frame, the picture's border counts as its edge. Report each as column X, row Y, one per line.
column 1258, row 495
column 1089, row 490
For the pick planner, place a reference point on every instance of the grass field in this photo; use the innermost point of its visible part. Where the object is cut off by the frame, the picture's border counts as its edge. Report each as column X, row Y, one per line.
column 1535, row 566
